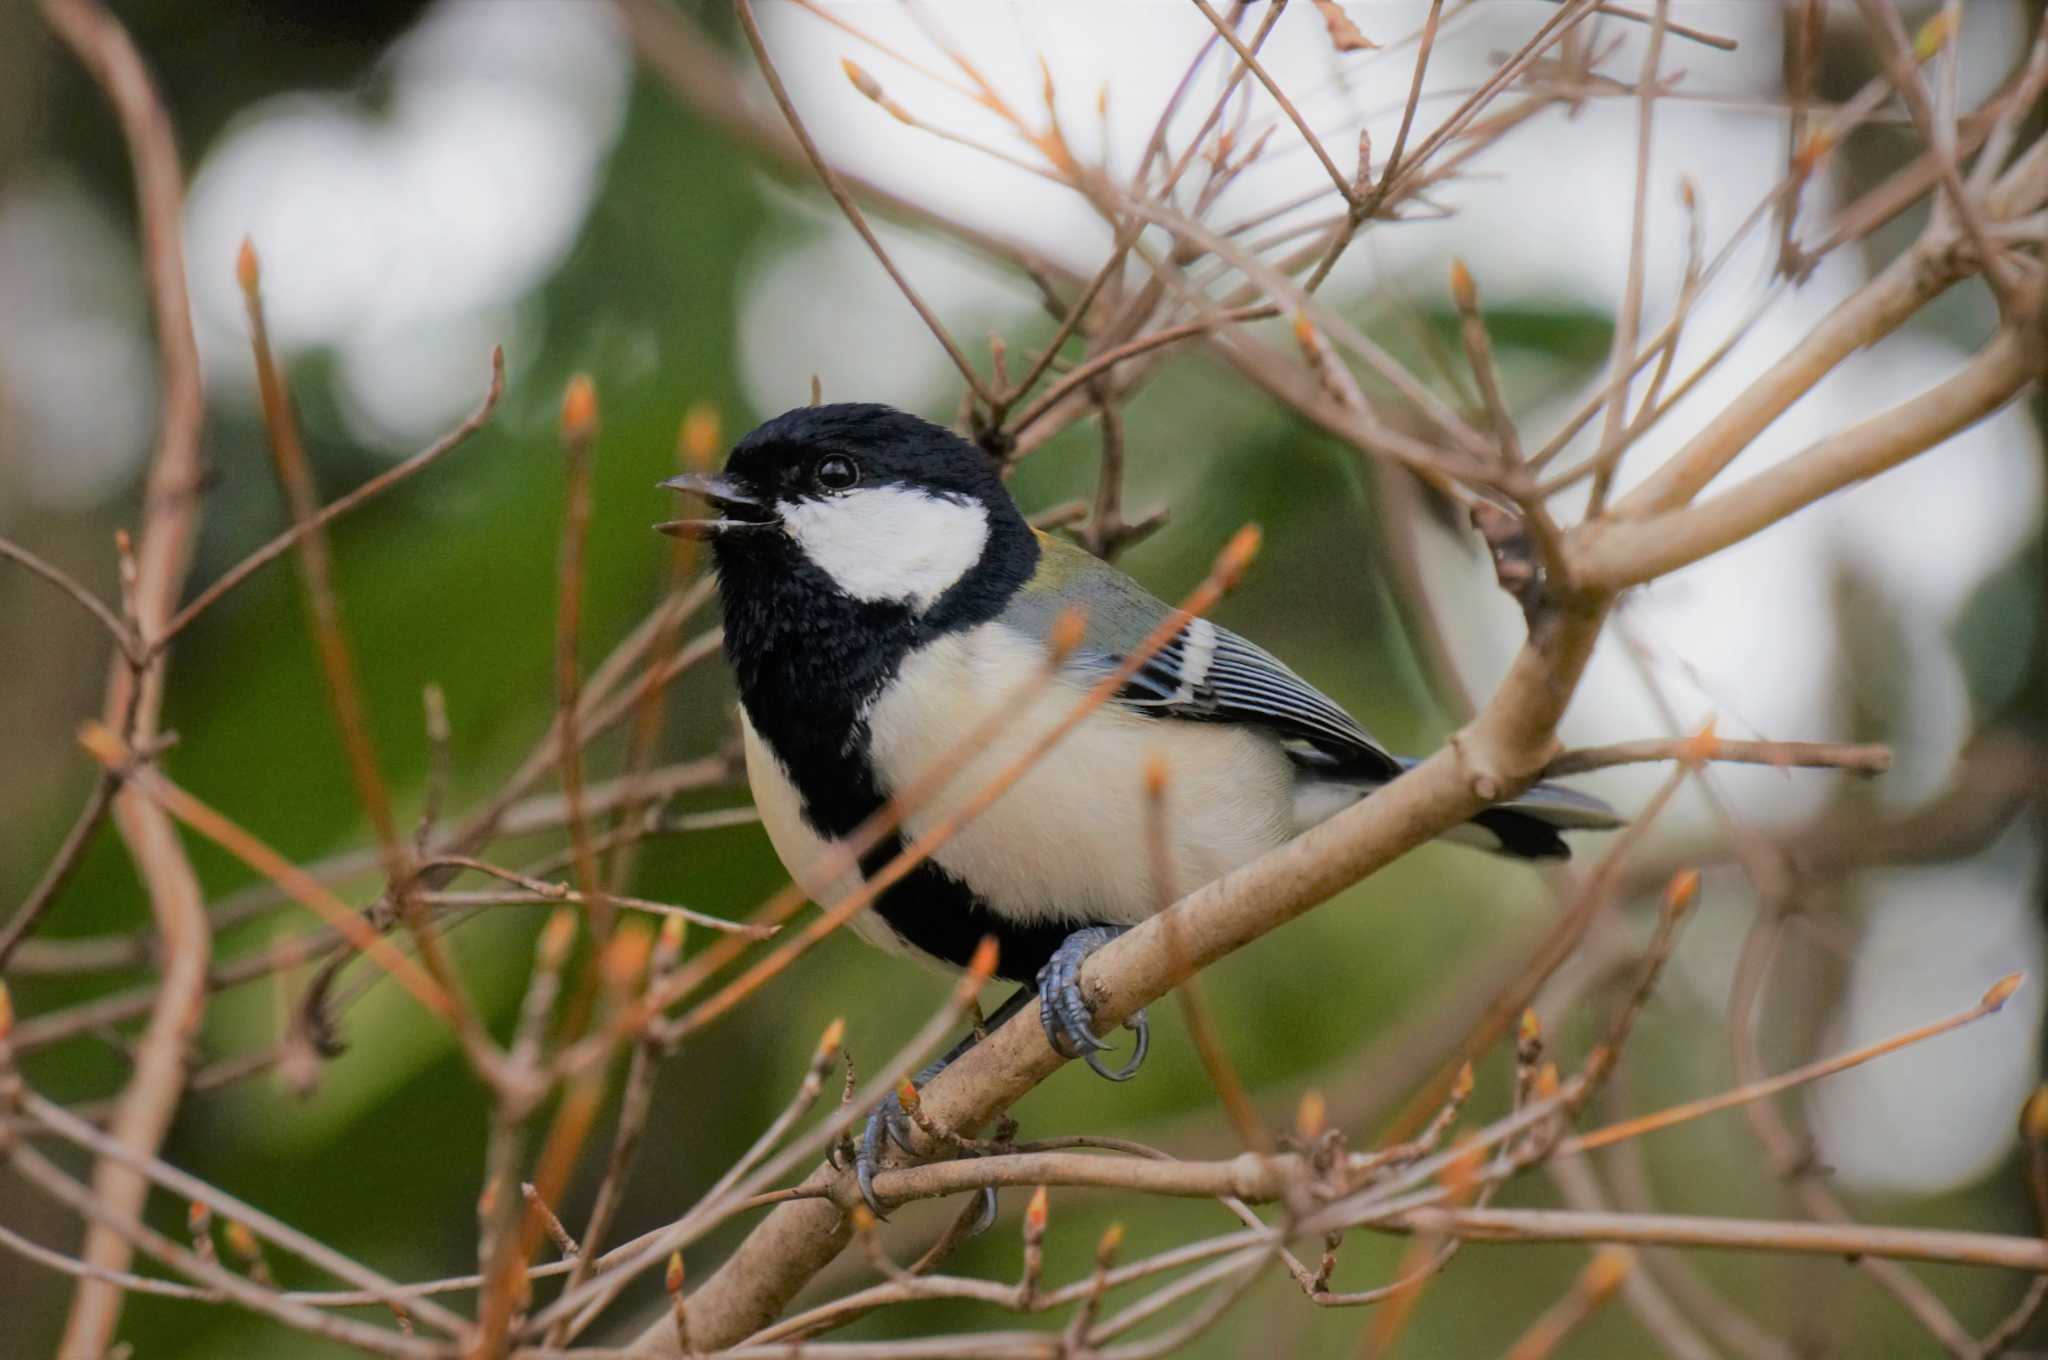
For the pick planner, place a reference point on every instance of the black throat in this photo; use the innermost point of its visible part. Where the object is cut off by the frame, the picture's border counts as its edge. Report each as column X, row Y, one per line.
column 810, row 659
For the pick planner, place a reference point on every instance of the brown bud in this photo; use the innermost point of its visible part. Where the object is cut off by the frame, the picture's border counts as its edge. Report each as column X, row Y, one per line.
column 1933, row 35
column 983, row 965
column 1463, row 291
column 862, row 81
column 555, row 939
column 668, row 946
column 1606, row 1272
column 579, row 409
column 1817, row 146
column 103, row 745
column 1702, row 746
column 241, row 1241
column 1036, row 1212
column 1304, row 332
column 1312, row 1116
column 1344, row 34
column 1682, row 891
column 1106, row 1248
column 248, row 272
column 829, row 1041
column 2001, row 991
column 673, row 1279
column 1461, row 1171
column 698, row 439
column 625, row 956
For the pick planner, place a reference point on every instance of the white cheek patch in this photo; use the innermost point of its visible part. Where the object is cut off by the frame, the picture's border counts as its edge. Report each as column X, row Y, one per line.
column 890, row 542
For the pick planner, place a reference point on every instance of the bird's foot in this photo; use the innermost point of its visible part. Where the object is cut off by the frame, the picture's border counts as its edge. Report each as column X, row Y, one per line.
column 1069, row 1024
column 891, row 1123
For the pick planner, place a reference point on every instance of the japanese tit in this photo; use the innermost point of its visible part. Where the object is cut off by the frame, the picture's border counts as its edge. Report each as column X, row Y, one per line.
column 883, row 595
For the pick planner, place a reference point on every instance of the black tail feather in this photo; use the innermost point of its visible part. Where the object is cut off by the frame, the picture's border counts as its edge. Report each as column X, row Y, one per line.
column 1523, row 835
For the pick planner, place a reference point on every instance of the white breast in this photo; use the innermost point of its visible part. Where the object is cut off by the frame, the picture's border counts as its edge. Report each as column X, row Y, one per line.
column 1067, row 842
column 803, row 852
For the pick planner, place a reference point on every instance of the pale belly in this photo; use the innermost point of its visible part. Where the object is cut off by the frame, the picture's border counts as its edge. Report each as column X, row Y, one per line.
column 1067, row 842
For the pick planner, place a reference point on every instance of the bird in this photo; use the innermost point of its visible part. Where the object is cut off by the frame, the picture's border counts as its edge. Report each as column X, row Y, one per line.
column 885, row 599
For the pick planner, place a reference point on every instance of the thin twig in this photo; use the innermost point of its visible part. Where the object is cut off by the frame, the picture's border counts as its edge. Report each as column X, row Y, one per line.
column 1251, row 60
column 117, row 628
column 134, row 698
column 336, row 508
column 1993, row 999
column 830, row 179
column 1851, row 758
column 1631, row 313
column 68, row 1126
column 306, row 890
column 76, row 841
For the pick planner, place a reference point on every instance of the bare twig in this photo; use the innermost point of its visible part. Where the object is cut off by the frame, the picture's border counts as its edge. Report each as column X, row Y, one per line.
column 117, row 627
column 1631, row 313
column 830, row 179
column 1251, row 60
column 336, row 508
column 60, row 868
column 1852, row 758
column 1596, row 1284
column 170, row 524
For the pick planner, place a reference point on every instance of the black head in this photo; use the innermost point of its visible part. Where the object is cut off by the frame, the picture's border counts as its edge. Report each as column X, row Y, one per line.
column 864, row 500
column 813, row 450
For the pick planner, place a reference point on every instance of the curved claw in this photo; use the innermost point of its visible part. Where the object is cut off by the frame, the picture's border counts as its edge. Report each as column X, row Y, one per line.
column 1063, row 1011
column 1139, row 1026
column 985, row 1218
column 1067, row 1021
column 887, row 1121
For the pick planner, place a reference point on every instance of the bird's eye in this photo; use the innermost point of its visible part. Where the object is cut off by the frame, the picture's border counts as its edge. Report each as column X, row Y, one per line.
column 835, row 473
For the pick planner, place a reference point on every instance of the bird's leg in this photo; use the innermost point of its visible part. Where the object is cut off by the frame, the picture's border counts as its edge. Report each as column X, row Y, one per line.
column 889, row 1119
column 1069, row 1024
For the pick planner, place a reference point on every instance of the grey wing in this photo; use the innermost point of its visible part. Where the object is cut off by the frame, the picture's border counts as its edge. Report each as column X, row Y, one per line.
column 1205, row 673
column 1209, row 674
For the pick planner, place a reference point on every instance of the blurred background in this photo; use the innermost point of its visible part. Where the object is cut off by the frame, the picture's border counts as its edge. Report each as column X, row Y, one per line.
column 425, row 180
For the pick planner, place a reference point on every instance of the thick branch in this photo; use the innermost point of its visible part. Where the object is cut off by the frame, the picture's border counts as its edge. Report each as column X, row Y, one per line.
column 1873, row 312
column 1625, row 553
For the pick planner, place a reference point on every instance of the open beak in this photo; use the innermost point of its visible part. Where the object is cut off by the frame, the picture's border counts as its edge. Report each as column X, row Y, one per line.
column 737, row 510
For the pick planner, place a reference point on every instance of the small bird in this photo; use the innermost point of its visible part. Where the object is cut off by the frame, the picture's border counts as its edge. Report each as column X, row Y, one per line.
column 884, row 597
